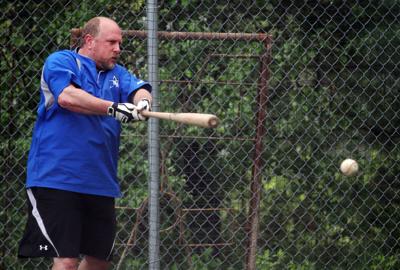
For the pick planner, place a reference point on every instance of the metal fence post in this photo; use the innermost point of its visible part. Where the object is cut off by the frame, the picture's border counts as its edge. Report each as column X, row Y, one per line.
column 154, row 141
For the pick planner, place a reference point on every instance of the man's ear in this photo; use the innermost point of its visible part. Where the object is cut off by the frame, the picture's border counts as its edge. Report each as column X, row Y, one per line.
column 88, row 40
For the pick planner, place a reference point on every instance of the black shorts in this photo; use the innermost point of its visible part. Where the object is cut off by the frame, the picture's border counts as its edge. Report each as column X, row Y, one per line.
column 68, row 224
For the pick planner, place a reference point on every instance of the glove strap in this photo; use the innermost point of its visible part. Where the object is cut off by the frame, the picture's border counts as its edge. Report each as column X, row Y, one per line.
column 112, row 109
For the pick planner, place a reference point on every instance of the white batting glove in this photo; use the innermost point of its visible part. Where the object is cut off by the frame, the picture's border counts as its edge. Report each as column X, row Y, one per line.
column 124, row 112
column 143, row 104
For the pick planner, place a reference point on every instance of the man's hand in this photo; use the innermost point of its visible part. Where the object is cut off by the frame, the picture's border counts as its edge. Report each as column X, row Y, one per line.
column 124, row 112
column 143, row 104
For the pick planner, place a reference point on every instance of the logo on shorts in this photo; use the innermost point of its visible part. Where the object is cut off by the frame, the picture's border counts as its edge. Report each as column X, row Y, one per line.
column 44, row 247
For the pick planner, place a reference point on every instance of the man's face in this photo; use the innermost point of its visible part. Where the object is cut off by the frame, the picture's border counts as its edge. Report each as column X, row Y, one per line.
column 106, row 46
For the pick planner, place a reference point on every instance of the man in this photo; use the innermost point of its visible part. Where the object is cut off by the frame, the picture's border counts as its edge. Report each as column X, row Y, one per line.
column 72, row 164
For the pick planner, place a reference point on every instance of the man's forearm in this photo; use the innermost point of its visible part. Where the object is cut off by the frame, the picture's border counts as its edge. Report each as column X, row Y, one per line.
column 141, row 94
column 77, row 100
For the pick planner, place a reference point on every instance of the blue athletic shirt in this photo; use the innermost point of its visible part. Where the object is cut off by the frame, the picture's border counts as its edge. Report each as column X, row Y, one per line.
column 73, row 151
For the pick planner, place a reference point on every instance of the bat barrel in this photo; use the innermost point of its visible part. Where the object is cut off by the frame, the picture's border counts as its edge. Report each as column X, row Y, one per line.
column 213, row 122
column 197, row 119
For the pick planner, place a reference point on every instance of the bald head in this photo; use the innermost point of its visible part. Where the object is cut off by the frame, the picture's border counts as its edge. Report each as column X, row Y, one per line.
column 94, row 25
column 101, row 40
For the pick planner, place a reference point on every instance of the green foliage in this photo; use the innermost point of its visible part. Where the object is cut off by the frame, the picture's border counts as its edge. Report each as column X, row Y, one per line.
column 280, row 260
column 333, row 93
column 203, row 261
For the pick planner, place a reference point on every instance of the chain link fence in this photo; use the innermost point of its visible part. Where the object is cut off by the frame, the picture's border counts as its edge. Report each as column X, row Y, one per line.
column 298, row 86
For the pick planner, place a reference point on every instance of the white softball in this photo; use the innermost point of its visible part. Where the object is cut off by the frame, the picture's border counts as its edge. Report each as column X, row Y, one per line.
column 349, row 167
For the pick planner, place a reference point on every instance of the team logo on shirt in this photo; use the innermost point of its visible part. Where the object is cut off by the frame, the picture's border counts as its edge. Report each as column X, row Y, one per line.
column 114, row 82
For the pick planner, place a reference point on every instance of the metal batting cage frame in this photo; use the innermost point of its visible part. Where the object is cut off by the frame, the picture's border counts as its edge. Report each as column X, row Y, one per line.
column 251, row 227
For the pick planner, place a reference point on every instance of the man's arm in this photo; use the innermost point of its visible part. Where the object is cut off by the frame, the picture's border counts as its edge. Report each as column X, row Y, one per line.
column 141, row 94
column 78, row 100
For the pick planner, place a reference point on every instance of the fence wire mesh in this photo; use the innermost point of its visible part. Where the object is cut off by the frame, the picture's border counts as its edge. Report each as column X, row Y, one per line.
column 316, row 83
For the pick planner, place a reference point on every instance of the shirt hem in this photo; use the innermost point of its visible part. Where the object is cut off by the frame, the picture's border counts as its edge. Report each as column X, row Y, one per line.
column 77, row 190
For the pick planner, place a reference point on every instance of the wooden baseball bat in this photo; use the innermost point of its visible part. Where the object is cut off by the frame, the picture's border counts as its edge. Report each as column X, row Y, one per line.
column 197, row 119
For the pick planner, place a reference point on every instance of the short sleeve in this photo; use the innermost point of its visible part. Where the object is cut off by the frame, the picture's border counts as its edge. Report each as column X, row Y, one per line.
column 130, row 84
column 60, row 70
